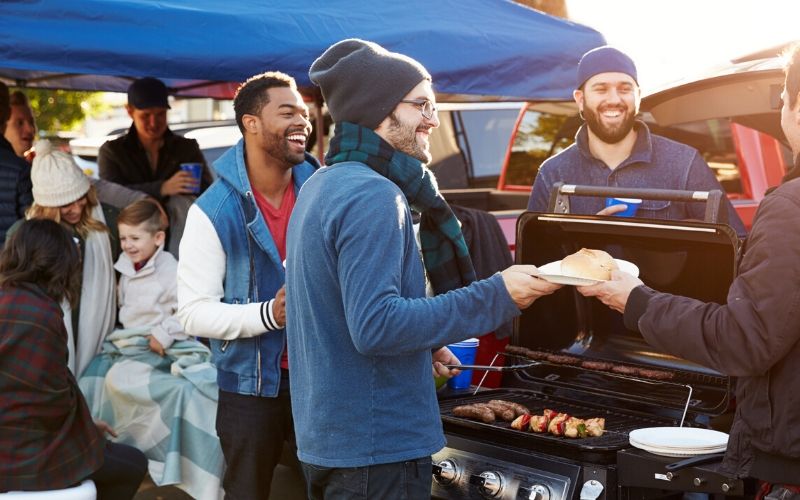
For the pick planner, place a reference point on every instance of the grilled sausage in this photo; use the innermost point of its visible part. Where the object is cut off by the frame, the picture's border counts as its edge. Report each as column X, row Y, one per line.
column 625, row 370
column 501, row 411
column 656, row 374
column 538, row 355
column 528, row 353
column 519, row 351
column 597, row 365
column 517, row 408
column 475, row 411
column 563, row 359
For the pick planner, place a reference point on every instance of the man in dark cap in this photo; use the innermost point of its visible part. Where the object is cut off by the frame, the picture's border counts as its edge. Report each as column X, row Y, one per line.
column 362, row 335
column 148, row 158
column 15, row 174
column 754, row 337
column 613, row 148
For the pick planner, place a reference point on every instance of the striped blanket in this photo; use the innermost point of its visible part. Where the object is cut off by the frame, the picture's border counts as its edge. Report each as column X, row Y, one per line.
column 166, row 407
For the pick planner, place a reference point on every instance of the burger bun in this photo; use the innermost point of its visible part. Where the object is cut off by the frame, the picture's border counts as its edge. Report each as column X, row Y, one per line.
column 588, row 264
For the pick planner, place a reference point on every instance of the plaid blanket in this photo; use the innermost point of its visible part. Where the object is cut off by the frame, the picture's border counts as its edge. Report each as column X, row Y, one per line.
column 166, row 407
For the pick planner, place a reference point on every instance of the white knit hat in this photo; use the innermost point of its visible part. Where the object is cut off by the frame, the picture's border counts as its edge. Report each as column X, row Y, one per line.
column 57, row 180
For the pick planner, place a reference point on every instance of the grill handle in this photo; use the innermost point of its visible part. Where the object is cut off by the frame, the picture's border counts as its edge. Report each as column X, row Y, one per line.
column 560, row 193
column 693, row 461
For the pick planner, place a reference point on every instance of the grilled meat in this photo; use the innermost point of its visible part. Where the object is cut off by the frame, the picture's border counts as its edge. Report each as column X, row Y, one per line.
column 475, row 411
column 521, row 423
column 501, row 411
column 563, row 359
column 597, row 365
column 517, row 408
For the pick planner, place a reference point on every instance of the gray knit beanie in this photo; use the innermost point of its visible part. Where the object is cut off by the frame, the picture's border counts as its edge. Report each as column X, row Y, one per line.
column 57, row 180
column 362, row 82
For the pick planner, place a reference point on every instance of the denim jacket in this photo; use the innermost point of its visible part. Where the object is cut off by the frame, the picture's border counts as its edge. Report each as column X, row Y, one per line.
column 253, row 272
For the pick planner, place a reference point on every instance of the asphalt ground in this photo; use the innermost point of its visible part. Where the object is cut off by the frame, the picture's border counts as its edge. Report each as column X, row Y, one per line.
column 286, row 485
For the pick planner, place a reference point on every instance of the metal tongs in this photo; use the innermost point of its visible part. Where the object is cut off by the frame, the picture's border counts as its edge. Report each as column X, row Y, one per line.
column 491, row 368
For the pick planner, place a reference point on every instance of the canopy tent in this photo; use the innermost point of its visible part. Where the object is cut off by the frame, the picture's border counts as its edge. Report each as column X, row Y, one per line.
column 475, row 49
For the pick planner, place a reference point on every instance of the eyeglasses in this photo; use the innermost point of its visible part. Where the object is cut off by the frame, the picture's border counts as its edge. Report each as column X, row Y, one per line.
column 425, row 106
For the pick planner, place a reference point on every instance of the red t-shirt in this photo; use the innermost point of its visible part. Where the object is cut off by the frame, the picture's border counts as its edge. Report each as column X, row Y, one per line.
column 277, row 220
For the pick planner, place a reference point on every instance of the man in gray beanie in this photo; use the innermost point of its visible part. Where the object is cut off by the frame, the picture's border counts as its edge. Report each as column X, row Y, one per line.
column 362, row 335
column 613, row 148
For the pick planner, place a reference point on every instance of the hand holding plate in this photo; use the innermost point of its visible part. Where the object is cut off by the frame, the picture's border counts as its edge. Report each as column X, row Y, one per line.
column 615, row 292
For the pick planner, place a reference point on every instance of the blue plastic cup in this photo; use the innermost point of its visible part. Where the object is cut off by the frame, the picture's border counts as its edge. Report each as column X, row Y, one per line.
column 631, row 205
column 465, row 351
column 196, row 169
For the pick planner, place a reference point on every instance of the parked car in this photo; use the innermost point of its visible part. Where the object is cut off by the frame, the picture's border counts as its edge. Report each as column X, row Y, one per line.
column 213, row 137
column 730, row 114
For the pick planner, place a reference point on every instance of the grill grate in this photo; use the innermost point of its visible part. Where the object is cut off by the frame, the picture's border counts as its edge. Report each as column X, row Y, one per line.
column 618, row 424
column 709, row 391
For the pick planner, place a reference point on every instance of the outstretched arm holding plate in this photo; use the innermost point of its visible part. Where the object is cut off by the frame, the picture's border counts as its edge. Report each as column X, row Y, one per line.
column 615, row 292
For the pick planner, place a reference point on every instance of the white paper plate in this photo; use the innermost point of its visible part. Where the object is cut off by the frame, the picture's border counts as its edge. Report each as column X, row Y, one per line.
column 680, row 439
column 682, row 451
column 552, row 272
column 667, row 452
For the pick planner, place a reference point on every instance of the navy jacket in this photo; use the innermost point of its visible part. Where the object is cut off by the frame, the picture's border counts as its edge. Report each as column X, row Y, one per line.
column 15, row 187
column 655, row 162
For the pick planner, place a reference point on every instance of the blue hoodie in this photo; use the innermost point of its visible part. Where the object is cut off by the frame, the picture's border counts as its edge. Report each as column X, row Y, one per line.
column 360, row 327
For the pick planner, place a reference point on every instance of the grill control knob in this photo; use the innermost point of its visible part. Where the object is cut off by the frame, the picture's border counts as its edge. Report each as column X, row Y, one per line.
column 699, row 481
column 490, row 484
column 535, row 492
column 445, row 472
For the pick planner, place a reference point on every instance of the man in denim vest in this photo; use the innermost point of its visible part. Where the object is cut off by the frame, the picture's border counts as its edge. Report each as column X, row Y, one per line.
column 231, row 277
column 613, row 148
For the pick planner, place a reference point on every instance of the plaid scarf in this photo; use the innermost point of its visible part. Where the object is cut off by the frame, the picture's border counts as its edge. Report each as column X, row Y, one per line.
column 444, row 251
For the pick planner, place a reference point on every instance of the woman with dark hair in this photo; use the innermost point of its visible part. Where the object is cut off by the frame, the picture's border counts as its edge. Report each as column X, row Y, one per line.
column 47, row 437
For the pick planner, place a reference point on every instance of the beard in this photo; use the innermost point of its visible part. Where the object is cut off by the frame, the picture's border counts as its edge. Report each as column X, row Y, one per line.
column 609, row 134
column 278, row 147
column 404, row 139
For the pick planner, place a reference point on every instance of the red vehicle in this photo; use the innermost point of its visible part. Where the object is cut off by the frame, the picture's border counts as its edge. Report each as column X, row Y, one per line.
column 731, row 115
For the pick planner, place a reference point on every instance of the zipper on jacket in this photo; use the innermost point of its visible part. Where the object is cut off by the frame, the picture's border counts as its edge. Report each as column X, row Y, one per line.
column 253, row 296
column 224, row 346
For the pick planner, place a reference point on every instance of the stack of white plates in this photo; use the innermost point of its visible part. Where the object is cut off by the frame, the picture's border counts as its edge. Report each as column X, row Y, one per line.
column 679, row 441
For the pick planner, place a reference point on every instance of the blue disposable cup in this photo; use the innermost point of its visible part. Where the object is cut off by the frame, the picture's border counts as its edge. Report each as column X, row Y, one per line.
column 631, row 205
column 196, row 169
column 465, row 351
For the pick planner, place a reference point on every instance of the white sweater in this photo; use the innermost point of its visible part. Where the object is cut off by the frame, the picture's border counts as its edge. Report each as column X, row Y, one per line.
column 148, row 297
column 201, row 287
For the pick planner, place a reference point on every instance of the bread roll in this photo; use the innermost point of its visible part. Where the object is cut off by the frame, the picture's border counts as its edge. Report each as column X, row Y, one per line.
column 589, row 264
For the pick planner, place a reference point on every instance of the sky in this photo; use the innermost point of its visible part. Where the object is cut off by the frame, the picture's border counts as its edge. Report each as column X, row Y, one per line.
column 674, row 39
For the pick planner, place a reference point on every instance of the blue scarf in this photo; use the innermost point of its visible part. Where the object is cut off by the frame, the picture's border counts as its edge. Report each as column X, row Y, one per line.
column 444, row 251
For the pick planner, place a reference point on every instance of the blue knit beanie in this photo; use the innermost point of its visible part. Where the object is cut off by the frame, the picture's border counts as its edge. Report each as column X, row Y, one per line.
column 604, row 59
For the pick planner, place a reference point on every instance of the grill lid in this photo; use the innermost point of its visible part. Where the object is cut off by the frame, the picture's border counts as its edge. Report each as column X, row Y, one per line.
column 694, row 259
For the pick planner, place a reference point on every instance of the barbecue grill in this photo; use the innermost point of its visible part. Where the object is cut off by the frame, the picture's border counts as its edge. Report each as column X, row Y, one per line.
column 697, row 259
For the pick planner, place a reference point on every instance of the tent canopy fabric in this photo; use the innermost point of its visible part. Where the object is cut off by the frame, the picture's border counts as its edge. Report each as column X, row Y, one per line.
column 475, row 49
